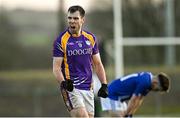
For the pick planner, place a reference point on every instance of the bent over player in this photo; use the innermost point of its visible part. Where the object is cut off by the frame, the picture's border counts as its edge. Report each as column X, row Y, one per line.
column 74, row 54
column 133, row 88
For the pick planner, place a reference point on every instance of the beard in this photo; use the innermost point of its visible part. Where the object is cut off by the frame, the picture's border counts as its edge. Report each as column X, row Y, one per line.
column 74, row 30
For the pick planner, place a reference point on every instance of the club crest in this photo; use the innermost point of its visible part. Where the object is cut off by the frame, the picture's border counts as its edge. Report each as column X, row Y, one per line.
column 88, row 42
column 80, row 44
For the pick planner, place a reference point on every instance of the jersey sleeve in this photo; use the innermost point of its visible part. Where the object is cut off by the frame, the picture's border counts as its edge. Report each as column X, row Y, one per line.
column 57, row 48
column 144, row 84
column 95, row 48
column 141, row 90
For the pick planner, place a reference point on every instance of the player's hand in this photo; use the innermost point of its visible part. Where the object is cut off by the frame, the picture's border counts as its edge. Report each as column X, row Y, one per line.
column 68, row 85
column 103, row 91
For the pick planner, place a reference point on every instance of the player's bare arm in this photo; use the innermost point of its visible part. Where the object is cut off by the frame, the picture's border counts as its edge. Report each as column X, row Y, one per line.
column 134, row 104
column 99, row 68
column 57, row 61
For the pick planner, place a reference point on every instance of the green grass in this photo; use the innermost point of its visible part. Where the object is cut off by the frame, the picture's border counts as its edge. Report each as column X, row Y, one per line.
column 27, row 74
column 166, row 111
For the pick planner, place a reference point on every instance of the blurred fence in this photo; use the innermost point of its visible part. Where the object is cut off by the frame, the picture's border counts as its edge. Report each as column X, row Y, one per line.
column 30, row 93
column 31, row 102
column 25, row 101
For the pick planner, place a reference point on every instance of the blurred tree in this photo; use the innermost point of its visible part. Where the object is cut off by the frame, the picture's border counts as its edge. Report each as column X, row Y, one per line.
column 177, row 17
column 37, row 57
column 101, row 24
column 61, row 17
column 10, row 48
column 143, row 19
column 177, row 27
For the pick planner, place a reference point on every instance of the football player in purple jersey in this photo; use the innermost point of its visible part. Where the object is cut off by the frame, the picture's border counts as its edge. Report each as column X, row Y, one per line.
column 75, row 54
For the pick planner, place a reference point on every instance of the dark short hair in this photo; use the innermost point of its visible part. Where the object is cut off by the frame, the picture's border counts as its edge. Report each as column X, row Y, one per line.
column 75, row 8
column 164, row 80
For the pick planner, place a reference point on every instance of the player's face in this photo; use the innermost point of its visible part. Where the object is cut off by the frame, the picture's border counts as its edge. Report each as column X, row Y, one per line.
column 75, row 22
column 156, row 86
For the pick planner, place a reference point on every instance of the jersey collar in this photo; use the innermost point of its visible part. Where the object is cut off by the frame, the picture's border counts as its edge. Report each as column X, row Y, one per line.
column 74, row 35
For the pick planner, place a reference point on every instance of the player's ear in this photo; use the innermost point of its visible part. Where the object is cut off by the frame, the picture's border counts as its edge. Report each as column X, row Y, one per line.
column 83, row 20
column 154, row 83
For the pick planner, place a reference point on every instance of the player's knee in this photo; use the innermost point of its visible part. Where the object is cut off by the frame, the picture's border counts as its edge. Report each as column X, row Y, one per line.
column 91, row 115
column 79, row 112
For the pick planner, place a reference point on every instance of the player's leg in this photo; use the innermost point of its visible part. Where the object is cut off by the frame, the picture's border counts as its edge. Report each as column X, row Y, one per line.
column 88, row 97
column 79, row 112
column 74, row 103
column 115, row 108
column 115, row 113
column 120, row 108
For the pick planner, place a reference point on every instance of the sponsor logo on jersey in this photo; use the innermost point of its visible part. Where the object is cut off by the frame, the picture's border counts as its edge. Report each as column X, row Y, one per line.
column 79, row 52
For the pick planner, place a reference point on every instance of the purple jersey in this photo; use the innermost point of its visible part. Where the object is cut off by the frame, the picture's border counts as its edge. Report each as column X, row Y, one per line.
column 77, row 53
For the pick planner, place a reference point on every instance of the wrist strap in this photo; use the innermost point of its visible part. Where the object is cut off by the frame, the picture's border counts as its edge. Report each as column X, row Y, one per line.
column 104, row 85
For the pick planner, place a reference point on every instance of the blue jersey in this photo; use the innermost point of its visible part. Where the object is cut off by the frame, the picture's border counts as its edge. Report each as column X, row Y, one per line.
column 77, row 54
column 136, row 83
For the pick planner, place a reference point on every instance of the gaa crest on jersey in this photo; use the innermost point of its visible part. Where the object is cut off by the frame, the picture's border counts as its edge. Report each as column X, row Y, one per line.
column 88, row 42
column 80, row 44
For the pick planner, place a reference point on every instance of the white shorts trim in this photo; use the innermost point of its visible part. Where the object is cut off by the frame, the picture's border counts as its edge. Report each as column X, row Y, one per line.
column 109, row 104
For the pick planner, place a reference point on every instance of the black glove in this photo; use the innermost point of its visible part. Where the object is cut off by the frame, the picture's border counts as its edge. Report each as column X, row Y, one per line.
column 128, row 116
column 103, row 91
column 68, row 85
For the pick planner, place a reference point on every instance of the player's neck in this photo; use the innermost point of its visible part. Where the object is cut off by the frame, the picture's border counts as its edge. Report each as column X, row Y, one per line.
column 76, row 34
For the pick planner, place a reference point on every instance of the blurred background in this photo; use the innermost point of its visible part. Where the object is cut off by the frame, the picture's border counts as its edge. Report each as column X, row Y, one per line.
column 149, row 41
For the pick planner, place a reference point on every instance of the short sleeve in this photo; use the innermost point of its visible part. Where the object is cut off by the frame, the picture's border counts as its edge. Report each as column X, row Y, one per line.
column 57, row 48
column 144, row 84
column 95, row 48
column 141, row 90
